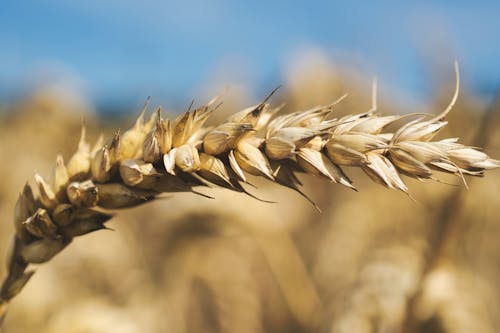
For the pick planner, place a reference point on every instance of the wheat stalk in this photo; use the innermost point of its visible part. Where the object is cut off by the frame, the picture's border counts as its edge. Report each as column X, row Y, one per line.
column 158, row 155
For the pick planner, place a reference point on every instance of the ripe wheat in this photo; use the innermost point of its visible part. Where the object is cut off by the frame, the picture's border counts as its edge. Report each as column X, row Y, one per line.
column 158, row 155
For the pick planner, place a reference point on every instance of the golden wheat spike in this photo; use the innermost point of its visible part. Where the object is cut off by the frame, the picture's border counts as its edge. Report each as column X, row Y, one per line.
column 161, row 156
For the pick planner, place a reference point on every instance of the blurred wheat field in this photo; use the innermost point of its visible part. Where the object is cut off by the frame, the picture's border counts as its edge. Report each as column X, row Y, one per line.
column 373, row 261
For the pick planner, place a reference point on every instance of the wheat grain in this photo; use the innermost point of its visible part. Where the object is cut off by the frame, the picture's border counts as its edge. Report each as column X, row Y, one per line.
column 160, row 155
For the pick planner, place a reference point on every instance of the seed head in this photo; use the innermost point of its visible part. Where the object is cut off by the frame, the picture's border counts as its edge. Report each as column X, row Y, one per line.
column 162, row 156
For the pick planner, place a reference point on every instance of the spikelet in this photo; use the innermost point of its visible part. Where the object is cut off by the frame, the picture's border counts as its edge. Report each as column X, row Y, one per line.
column 233, row 163
column 257, row 115
column 138, row 173
column 132, row 140
column 285, row 141
column 46, row 194
column 164, row 135
column 214, row 170
column 163, row 156
column 187, row 158
column 63, row 214
column 159, row 140
column 252, row 160
column 115, row 195
column 169, row 161
column 316, row 163
column 82, row 194
column 472, row 159
column 40, row 224
column 60, row 178
column 151, row 150
column 360, row 142
column 422, row 151
column 224, row 137
column 187, row 124
column 101, row 165
column 383, row 172
column 342, row 155
column 79, row 164
column 373, row 125
column 43, row 250
column 25, row 207
column 84, row 221
column 409, row 165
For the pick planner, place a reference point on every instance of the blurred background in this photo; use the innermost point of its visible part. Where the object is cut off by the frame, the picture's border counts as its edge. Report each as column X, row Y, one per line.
column 373, row 261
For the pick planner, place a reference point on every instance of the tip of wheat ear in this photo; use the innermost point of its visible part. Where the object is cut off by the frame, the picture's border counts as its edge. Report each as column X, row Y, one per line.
column 158, row 155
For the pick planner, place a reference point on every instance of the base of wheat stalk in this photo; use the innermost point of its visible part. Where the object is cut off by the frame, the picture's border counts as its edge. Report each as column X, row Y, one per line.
column 158, row 155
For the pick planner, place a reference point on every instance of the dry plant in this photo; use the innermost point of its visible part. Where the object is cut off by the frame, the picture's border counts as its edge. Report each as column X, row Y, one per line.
column 158, row 156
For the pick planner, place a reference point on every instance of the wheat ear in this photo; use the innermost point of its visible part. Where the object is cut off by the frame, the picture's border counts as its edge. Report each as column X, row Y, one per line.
column 159, row 155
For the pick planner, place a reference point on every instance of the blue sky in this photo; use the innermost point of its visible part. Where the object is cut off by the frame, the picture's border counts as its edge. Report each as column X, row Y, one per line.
column 122, row 50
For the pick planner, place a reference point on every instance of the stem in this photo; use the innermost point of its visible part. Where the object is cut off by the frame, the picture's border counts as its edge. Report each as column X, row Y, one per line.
column 3, row 311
